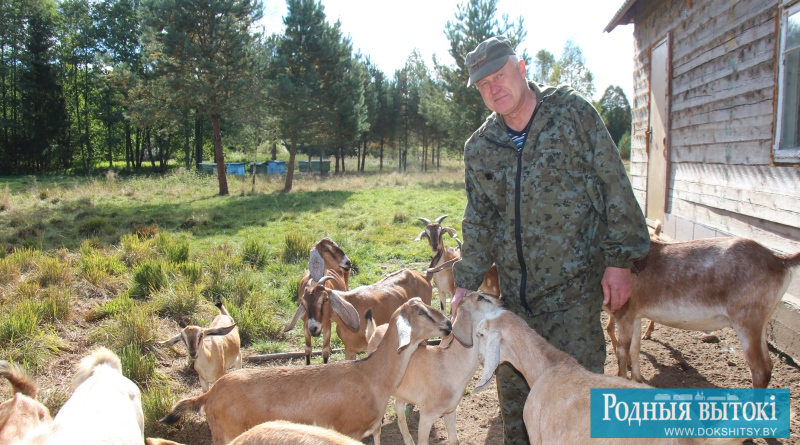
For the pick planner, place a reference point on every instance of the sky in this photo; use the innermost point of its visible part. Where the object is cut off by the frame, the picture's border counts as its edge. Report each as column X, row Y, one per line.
column 388, row 31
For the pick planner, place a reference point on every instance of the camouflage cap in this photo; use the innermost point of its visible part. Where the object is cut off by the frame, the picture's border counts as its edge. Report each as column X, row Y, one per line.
column 488, row 57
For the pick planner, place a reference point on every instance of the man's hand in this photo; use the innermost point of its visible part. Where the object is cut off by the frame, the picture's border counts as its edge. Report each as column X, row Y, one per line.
column 616, row 287
column 456, row 299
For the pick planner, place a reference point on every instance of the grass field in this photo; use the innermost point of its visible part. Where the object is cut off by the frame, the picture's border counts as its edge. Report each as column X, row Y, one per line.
column 124, row 262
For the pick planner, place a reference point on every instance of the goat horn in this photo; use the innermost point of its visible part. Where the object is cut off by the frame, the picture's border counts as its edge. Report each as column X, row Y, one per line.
column 425, row 220
column 441, row 218
column 322, row 280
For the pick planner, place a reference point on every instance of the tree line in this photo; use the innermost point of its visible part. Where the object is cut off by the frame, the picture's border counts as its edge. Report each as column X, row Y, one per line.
column 87, row 83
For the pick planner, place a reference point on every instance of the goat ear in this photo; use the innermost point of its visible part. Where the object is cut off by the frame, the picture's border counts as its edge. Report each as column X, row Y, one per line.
column 421, row 234
column 491, row 358
column 173, row 341
column 316, row 265
column 447, row 340
column 345, row 311
column 462, row 328
column 403, row 332
column 219, row 331
column 300, row 311
column 451, row 231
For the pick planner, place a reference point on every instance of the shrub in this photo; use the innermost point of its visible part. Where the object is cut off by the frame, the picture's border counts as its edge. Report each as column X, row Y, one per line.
column 96, row 225
column 111, row 308
column 296, row 248
column 96, row 267
column 177, row 251
column 21, row 321
column 51, row 271
column 255, row 254
column 139, row 367
column 136, row 250
column 156, row 404
column 624, row 146
column 148, row 277
column 179, row 301
column 55, row 305
column 135, row 328
column 191, row 272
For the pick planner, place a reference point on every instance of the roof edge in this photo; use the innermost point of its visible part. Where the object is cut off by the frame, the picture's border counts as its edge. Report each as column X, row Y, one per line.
column 622, row 17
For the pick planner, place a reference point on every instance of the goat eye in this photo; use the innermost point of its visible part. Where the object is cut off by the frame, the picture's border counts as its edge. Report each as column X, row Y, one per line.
column 480, row 298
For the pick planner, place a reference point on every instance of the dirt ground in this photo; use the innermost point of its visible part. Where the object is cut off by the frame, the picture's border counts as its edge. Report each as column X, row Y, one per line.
column 673, row 358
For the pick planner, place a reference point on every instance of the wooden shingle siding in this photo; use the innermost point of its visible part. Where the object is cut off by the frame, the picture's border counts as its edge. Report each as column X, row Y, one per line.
column 721, row 119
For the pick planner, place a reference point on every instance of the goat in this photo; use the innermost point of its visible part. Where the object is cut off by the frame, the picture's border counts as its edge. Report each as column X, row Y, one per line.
column 451, row 359
column 444, row 280
column 105, row 407
column 281, row 433
column 347, row 308
column 213, row 349
column 325, row 259
column 705, row 285
column 22, row 412
column 347, row 396
column 557, row 409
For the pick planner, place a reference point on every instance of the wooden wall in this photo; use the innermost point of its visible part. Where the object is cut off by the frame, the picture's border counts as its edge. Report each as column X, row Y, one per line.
column 721, row 115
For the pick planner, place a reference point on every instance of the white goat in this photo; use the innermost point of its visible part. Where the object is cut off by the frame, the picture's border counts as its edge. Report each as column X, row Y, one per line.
column 105, row 407
column 324, row 259
column 347, row 308
column 213, row 349
column 451, row 360
column 347, row 396
column 444, row 280
column 705, row 285
column 281, row 433
column 22, row 412
column 557, row 410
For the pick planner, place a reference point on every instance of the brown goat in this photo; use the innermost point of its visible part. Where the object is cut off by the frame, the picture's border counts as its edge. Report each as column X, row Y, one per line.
column 21, row 413
column 444, row 280
column 557, row 410
column 348, row 396
column 324, row 259
column 322, row 305
column 705, row 285
column 213, row 349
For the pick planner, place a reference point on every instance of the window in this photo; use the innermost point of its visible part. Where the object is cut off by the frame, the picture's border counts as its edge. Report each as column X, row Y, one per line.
column 787, row 138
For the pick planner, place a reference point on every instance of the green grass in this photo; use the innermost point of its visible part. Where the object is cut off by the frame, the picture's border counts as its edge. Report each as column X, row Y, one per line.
column 123, row 262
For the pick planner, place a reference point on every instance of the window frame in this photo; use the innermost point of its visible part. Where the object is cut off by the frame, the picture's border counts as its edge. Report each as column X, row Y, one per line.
column 792, row 154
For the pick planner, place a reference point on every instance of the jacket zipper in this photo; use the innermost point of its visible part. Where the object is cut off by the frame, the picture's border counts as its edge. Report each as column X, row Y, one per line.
column 517, row 214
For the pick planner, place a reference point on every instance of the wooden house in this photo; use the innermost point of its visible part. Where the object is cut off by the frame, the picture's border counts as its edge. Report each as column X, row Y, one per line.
column 715, row 139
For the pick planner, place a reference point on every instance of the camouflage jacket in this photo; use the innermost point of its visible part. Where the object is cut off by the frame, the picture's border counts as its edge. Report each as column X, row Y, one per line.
column 549, row 212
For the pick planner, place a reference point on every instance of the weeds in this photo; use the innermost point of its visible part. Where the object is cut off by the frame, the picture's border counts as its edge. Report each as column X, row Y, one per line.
column 296, row 248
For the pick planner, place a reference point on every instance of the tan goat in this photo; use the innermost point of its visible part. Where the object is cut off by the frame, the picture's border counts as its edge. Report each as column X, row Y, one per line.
column 21, row 413
column 213, row 349
column 557, row 410
column 706, row 285
column 347, row 308
column 280, row 433
column 324, row 259
column 444, row 280
column 451, row 360
column 347, row 396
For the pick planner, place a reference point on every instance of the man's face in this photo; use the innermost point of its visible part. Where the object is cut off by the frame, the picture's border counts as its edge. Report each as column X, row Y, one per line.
column 502, row 91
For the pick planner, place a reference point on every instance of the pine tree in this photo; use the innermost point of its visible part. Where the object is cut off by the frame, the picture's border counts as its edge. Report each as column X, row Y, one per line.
column 203, row 48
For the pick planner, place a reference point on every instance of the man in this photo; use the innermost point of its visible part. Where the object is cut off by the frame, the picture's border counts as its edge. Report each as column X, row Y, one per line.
column 549, row 202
